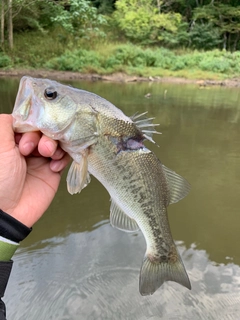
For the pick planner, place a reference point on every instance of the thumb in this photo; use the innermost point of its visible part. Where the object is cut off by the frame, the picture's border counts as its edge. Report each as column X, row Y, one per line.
column 7, row 141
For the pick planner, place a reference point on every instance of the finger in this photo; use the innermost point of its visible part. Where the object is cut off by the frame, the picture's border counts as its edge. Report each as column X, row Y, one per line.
column 6, row 133
column 18, row 137
column 47, row 147
column 29, row 142
column 59, row 165
column 58, row 154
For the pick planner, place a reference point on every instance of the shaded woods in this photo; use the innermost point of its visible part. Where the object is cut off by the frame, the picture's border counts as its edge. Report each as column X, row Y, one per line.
column 81, row 35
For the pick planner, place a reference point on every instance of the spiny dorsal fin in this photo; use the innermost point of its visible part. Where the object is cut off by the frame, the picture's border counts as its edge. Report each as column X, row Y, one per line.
column 178, row 186
column 145, row 125
column 121, row 220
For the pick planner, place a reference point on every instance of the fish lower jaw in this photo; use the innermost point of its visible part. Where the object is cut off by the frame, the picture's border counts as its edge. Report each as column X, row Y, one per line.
column 23, row 128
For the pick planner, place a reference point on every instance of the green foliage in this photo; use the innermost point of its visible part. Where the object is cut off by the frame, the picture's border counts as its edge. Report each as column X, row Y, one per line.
column 204, row 36
column 225, row 17
column 5, row 61
column 58, row 50
column 104, row 6
column 77, row 60
column 27, row 14
column 142, row 22
column 216, row 65
column 130, row 58
column 80, row 19
column 201, row 24
column 34, row 48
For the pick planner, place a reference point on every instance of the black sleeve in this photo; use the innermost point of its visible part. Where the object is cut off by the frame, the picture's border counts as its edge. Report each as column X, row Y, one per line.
column 5, row 269
column 14, row 230
column 11, row 228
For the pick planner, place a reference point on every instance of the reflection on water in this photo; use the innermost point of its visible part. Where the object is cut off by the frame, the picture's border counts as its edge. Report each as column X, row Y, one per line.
column 75, row 266
column 94, row 275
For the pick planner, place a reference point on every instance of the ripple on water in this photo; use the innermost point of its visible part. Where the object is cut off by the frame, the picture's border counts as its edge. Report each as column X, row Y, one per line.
column 94, row 276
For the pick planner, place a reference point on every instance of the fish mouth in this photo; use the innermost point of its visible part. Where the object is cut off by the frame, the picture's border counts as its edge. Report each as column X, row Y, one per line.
column 23, row 107
column 21, row 128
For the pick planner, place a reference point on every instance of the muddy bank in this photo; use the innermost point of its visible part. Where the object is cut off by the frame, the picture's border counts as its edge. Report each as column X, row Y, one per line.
column 117, row 77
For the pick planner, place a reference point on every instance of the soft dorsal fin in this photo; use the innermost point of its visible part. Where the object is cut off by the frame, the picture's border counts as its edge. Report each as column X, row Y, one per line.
column 121, row 220
column 78, row 176
column 145, row 125
column 178, row 186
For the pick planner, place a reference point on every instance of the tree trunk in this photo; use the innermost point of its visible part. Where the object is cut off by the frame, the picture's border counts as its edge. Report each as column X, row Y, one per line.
column 159, row 6
column 225, row 41
column 229, row 42
column 2, row 23
column 236, row 42
column 10, row 25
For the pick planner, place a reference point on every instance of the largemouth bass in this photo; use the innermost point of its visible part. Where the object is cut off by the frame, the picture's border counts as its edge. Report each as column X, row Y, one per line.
column 106, row 143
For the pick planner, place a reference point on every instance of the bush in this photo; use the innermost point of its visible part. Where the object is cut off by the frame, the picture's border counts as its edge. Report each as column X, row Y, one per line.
column 5, row 61
column 141, row 22
column 215, row 65
column 76, row 60
column 132, row 58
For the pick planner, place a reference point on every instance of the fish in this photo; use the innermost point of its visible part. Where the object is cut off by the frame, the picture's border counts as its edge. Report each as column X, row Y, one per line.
column 104, row 142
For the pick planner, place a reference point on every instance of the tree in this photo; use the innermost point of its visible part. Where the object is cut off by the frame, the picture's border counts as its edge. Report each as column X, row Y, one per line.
column 2, row 22
column 10, row 24
column 11, row 9
column 143, row 21
column 79, row 18
column 224, row 17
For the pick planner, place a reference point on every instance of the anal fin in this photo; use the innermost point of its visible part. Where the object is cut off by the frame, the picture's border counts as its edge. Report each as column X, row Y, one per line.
column 121, row 220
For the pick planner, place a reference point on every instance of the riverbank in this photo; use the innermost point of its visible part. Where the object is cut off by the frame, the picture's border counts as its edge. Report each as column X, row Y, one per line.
column 116, row 77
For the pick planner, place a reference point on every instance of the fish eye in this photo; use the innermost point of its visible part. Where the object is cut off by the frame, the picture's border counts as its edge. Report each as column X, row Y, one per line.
column 50, row 94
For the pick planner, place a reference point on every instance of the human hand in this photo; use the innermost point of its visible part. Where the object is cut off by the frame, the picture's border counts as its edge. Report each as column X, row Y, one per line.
column 30, row 172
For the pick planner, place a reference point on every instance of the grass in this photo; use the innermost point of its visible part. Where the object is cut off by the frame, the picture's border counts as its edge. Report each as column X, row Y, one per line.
column 56, row 50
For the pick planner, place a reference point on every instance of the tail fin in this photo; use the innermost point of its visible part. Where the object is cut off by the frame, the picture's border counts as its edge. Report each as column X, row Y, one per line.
column 153, row 274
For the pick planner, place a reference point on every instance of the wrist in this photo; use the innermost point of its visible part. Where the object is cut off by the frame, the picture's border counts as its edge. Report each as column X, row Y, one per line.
column 22, row 217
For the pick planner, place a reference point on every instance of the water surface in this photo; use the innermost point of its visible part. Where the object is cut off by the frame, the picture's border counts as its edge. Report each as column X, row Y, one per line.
column 74, row 265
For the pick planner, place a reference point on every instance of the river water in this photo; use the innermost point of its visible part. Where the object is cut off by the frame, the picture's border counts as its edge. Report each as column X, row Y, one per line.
column 74, row 265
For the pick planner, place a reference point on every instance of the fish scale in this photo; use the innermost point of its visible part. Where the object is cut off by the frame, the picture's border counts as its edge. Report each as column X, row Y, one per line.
column 104, row 142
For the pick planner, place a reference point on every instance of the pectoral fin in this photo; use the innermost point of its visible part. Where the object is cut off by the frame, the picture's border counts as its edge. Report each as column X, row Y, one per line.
column 78, row 176
column 121, row 220
column 179, row 187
